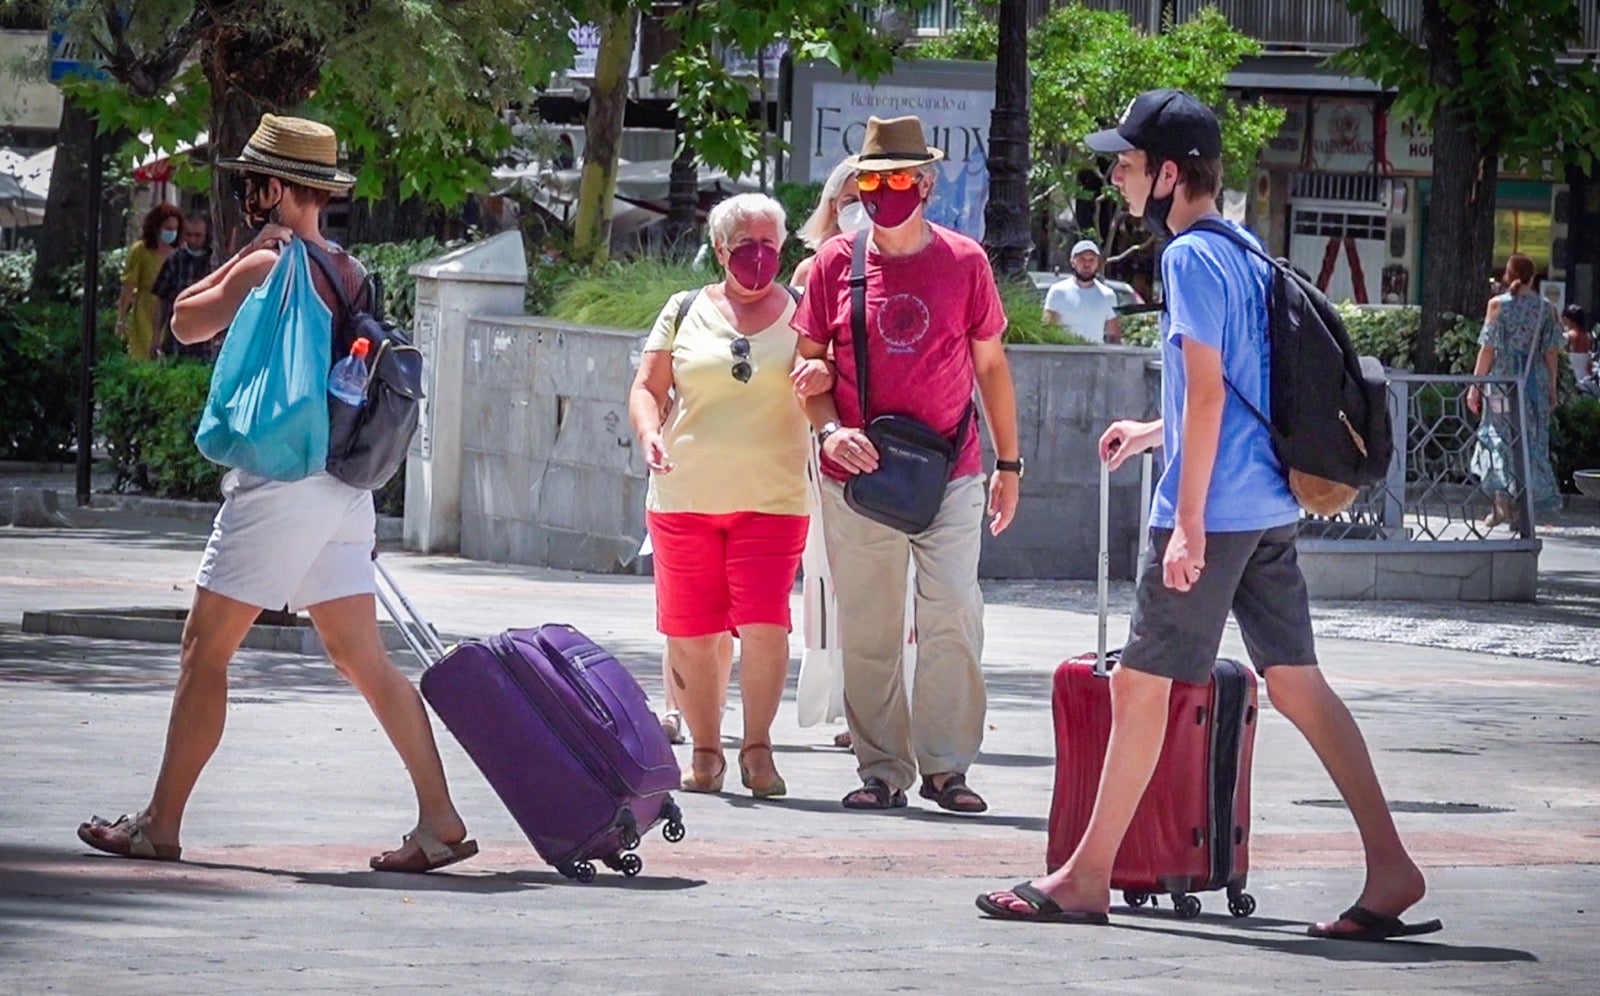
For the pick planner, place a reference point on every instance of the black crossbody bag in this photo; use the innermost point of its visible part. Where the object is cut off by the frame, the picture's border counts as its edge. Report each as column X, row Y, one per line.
column 914, row 459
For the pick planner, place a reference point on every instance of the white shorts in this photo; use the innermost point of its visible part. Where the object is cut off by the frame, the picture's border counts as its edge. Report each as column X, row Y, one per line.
column 294, row 543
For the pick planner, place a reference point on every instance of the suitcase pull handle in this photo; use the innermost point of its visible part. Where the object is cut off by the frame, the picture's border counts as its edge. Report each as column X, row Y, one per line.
column 573, row 674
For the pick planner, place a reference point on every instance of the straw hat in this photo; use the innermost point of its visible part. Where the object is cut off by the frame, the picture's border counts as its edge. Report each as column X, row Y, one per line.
column 893, row 143
column 294, row 149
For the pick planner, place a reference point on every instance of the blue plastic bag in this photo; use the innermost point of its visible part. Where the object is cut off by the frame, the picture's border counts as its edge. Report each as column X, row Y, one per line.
column 267, row 412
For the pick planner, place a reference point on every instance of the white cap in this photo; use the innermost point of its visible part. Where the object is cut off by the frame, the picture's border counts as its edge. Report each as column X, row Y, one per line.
column 1084, row 245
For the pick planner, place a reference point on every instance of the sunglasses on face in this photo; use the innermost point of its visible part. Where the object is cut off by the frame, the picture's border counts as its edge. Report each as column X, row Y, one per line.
column 742, row 370
column 900, row 179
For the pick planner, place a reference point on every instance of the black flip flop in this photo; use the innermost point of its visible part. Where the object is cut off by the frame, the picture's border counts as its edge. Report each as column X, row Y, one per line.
column 1371, row 927
column 955, row 788
column 883, row 797
column 1045, row 909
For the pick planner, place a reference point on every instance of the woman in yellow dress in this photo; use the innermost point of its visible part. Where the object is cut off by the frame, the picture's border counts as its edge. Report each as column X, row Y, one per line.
column 136, row 308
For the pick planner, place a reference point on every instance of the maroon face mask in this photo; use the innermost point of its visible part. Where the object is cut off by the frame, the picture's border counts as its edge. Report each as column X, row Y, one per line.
column 753, row 264
column 890, row 208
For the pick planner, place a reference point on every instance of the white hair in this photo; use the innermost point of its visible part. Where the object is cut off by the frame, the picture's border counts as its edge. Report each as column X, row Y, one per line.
column 824, row 221
column 728, row 216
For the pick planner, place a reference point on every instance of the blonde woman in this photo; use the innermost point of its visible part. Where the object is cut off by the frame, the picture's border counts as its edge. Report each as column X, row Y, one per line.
column 838, row 210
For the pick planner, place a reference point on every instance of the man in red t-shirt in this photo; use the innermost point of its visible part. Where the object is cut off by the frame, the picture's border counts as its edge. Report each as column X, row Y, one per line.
column 933, row 328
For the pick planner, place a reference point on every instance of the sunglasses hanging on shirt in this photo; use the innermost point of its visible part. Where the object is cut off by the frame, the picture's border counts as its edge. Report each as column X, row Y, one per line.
column 742, row 370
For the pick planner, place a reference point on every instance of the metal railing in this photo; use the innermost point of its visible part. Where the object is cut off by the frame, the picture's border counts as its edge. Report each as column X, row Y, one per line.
column 1436, row 491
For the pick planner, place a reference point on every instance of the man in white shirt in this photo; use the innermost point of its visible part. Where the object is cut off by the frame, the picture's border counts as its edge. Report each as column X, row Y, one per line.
column 1082, row 303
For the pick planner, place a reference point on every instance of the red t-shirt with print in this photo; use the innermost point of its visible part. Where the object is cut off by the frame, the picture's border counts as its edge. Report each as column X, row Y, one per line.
column 923, row 312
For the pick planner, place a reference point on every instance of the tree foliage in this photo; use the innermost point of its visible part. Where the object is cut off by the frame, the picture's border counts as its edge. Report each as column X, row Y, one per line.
column 1088, row 64
column 1499, row 64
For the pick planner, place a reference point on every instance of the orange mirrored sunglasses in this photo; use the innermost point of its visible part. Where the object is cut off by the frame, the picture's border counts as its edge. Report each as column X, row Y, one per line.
column 900, row 179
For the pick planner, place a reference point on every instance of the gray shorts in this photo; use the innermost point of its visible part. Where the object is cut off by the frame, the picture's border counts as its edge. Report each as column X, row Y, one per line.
column 1255, row 574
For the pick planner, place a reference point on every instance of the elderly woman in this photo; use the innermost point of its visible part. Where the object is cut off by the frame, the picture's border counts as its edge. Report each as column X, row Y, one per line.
column 838, row 210
column 726, row 506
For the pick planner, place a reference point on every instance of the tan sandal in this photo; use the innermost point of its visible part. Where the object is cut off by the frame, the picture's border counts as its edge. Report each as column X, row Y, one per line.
column 692, row 781
column 137, row 844
column 772, row 789
column 431, row 853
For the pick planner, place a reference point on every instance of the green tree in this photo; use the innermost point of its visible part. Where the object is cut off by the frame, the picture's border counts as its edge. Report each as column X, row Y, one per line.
column 1490, row 78
column 417, row 88
column 1087, row 64
column 713, row 105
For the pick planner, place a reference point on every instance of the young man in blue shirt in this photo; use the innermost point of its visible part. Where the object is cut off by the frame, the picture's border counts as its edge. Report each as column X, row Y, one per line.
column 1222, row 537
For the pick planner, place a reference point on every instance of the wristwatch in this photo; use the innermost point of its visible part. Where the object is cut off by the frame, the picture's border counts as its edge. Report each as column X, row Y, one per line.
column 828, row 429
column 1010, row 466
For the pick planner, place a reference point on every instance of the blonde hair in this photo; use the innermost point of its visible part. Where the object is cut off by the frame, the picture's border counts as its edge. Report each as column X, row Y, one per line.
column 824, row 221
column 728, row 216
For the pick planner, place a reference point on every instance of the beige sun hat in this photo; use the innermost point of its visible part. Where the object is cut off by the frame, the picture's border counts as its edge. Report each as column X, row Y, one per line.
column 893, row 143
column 294, row 149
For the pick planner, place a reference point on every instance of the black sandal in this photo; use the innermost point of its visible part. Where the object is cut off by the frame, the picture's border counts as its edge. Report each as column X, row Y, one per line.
column 952, row 795
column 881, row 796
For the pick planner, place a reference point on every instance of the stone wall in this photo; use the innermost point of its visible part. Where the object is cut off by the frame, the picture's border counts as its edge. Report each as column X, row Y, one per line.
column 550, row 475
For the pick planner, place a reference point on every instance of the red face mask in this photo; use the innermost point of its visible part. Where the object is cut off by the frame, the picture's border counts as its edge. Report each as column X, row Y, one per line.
column 890, row 208
column 754, row 265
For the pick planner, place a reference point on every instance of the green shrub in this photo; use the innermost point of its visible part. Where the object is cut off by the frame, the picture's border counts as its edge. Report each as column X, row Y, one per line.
column 390, row 262
column 148, row 413
column 1142, row 329
column 1025, row 317
column 69, row 283
column 1575, row 438
column 625, row 295
column 40, row 347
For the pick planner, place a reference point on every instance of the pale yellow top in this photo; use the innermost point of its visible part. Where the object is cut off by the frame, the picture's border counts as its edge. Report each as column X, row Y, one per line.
column 735, row 447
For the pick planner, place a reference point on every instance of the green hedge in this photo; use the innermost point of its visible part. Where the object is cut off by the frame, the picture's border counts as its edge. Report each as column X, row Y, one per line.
column 148, row 413
column 40, row 350
column 1575, row 438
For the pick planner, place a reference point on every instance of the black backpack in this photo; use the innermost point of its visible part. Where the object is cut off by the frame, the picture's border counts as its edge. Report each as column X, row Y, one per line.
column 1330, row 411
column 367, row 444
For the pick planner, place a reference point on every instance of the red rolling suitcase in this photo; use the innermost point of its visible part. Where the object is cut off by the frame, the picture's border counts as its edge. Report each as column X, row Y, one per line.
column 1191, row 832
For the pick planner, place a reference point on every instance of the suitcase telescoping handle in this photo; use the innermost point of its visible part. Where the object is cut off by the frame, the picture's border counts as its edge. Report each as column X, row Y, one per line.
column 419, row 634
column 1103, row 561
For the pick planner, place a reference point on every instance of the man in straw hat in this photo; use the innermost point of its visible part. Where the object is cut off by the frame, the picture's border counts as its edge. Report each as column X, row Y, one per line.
column 1222, row 535
column 305, row 543
column 933, row 319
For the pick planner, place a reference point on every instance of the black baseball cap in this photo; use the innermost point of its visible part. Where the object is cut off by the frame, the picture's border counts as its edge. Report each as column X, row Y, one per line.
column 1166, row 123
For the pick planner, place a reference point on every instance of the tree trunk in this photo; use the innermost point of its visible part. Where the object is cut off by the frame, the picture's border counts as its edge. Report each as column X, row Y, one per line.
column 1006, row 231
column 608, row 99
column 63, row 241
column 1460, row 237
column 683, row 200
column 387, row 219
column 234, row 115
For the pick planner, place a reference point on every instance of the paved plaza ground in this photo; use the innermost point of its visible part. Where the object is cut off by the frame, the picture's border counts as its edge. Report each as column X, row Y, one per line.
column 1491, row 763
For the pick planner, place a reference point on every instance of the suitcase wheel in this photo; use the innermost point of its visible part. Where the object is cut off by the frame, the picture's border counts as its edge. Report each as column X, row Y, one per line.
column 1134, row 900
column 1187, row 907
column 673, row 831
column 630, row 839
column 628, row 864
column 1242, row 904
column 578, row 871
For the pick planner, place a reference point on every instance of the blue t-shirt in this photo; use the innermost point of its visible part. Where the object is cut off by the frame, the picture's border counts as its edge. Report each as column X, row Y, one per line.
column 1216, row 295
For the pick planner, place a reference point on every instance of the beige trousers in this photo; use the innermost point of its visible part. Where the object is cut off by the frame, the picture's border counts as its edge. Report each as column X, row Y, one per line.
column 941, row 728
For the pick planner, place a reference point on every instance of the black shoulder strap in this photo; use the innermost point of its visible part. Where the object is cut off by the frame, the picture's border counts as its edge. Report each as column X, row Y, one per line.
column 794, row 292
column 683, row 309
column 858, row 317
column 1216, row 226
column 324, row 262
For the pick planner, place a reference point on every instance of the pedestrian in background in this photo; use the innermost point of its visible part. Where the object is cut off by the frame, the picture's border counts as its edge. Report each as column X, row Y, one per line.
column 137, row 305
column 1580, row 341
column 1082, row 303
column 726, row 505
column 1222, row 537
column 838, row 210
column 306, row 543
column 1521, row 341
column 934, row 320
column 187, row 264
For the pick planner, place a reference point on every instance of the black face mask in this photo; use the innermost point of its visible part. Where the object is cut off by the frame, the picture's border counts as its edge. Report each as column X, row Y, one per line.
column 248, row 191
column 1156, row 210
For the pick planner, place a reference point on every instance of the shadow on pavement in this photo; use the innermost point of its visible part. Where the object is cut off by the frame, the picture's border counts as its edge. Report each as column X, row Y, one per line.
column 129, row 666
column 1396, row 952
column 911, row 811
column 38, row 883
column 484, row 883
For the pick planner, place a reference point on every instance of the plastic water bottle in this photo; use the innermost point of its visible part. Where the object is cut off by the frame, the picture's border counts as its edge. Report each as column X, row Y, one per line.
column 347, row 381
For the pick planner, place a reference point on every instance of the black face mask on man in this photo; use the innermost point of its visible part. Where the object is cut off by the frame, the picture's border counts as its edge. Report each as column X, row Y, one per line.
column 250, row 192
column 1156, row 208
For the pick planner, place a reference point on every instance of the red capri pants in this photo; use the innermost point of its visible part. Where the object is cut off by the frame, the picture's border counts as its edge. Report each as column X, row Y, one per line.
column 720, row 572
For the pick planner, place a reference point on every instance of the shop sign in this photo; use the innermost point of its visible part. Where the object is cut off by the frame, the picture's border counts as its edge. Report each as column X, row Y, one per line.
column 1342, row 136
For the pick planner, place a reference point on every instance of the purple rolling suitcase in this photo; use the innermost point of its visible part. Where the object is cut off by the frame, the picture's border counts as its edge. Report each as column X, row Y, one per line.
column 562, row 732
